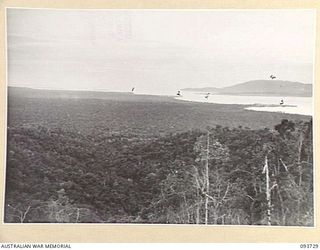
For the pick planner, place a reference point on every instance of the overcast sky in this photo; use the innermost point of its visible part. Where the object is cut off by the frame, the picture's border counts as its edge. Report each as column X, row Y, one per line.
column 157, row 51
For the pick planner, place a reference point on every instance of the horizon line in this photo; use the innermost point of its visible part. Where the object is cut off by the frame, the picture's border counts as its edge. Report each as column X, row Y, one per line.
column 119, row 91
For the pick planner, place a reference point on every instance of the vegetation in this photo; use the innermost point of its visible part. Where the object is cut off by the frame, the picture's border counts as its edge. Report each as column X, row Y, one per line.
column 107, row 161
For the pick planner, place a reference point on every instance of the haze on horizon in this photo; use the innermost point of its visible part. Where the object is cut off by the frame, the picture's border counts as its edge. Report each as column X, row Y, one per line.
column 157, row 51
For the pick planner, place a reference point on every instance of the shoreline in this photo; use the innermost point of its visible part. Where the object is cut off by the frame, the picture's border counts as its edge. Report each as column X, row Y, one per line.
column 129, row 96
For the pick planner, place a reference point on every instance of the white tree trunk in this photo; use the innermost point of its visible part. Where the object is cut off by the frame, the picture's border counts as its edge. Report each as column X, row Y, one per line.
column 266, row 171
column 207, row 182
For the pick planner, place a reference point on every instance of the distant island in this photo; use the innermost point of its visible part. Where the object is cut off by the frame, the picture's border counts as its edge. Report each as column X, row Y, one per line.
column 261, row 87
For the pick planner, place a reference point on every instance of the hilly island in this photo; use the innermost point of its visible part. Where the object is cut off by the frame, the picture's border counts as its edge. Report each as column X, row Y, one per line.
column 262, row 87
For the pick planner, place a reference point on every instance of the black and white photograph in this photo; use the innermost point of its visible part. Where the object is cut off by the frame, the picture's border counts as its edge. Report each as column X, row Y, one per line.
column 149, row 116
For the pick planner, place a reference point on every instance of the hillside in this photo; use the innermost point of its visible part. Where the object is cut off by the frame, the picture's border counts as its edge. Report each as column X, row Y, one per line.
column 263, row 87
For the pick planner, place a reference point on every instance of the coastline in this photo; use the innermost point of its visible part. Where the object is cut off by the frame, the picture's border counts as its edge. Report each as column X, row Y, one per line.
column 153, row 97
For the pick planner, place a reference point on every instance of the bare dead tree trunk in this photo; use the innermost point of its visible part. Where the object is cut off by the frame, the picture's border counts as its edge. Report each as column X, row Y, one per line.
column 200, row 186
column 198, row 208
column 186, row 208
column 266, row 171
column 207, row 182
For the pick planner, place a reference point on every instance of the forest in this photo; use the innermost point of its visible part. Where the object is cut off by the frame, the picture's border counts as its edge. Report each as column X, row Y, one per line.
column 78, row 160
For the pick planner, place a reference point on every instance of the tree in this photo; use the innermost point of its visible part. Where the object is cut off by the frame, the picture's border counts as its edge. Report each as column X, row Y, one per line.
column 209, row 176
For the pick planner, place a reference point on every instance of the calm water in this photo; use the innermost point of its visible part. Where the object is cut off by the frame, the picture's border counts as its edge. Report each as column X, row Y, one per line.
column 293, row 105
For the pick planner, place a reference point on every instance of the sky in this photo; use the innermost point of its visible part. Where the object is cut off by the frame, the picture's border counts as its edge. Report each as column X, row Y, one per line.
column 155, row 50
